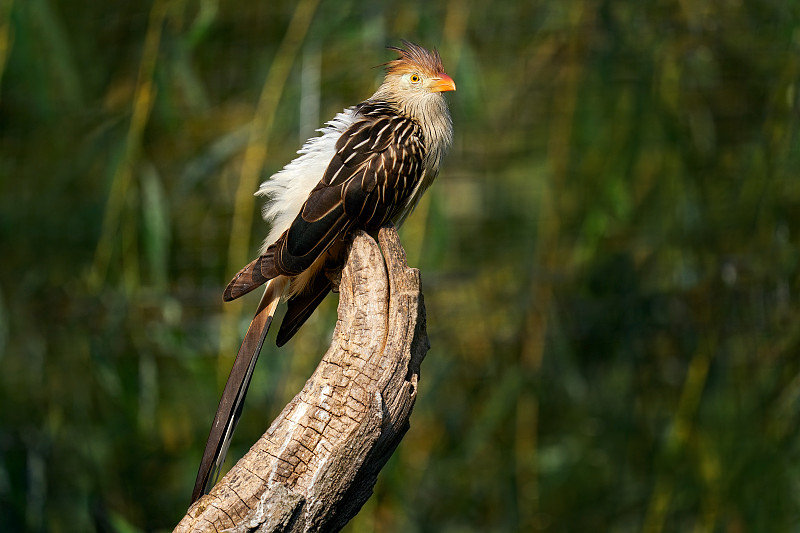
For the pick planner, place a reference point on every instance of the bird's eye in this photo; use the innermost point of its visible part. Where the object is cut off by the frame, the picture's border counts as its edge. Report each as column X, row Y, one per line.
column 415, row 78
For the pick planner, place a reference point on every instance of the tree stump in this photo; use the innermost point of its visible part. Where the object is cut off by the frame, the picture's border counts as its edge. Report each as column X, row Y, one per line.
column 318, row 462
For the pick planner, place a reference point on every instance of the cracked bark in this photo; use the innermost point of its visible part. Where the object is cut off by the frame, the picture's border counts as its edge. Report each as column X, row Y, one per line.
column 319, row 460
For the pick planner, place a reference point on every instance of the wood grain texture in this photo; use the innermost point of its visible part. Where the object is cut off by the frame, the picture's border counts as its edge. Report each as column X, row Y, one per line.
column 318, row 462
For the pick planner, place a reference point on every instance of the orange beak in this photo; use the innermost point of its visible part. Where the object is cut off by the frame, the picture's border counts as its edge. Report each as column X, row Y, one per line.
column 443, row 83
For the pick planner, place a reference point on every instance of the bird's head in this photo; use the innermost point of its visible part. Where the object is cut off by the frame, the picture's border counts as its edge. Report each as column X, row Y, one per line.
column 414, row 85
column 415, row 78
column 418, row 70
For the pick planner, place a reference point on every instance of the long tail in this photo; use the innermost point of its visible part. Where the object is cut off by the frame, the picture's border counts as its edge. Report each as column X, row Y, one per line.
column 230, row 405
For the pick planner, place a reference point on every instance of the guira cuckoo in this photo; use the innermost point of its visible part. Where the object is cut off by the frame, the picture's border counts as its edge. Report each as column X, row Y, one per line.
column 369, row 166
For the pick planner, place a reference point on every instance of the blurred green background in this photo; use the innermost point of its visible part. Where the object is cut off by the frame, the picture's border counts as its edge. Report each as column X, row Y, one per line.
column 610, row 256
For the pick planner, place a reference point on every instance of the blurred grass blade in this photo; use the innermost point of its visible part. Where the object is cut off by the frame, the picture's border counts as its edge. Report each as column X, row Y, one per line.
column 203, row 21
column 156, row 219
column 142, row 104
column 6, row 36
column 51, row 30
column 679, row 434
column 310, row 90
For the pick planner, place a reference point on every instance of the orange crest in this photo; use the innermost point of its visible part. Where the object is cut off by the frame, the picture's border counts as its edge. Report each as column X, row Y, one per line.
column 414, row 57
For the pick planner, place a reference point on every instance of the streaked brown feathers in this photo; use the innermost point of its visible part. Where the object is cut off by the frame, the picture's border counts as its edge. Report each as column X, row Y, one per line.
column 377, row 166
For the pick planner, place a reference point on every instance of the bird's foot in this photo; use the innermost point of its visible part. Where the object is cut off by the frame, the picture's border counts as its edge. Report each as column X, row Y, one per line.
column 334, row 275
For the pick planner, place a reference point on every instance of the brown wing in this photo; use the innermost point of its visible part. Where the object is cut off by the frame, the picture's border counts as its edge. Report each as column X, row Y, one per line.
column 376, row 167
column 377, row 164
column 252, row 276
column 301, row 306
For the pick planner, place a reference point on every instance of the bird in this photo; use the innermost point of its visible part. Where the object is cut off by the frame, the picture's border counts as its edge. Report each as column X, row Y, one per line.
column 368, row 167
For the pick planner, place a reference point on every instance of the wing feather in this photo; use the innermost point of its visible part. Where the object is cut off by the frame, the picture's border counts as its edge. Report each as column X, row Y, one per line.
column 363, row 186
column 375, row 169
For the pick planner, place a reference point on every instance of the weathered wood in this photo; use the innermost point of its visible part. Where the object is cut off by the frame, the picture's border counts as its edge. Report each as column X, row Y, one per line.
column 318, row 462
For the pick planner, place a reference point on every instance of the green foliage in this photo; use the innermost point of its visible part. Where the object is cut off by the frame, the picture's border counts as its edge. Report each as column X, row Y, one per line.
column 610, row 257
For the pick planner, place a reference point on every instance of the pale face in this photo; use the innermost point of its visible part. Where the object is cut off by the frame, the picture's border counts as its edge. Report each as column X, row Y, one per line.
column 419, row 81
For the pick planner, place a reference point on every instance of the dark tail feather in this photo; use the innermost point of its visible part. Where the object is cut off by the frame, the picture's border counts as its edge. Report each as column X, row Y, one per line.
column 232, row 401
column 301, row 306
column 255, row 274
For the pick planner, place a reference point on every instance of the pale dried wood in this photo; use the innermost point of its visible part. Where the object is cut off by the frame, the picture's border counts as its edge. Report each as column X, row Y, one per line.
column 318, row 462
